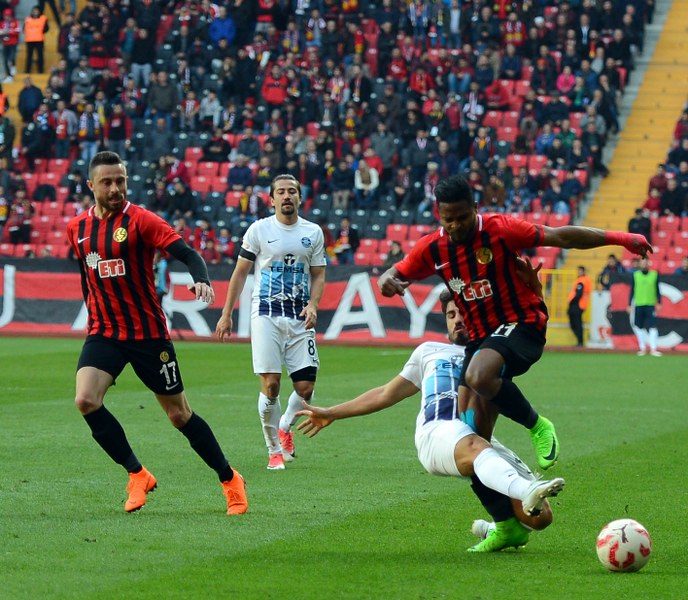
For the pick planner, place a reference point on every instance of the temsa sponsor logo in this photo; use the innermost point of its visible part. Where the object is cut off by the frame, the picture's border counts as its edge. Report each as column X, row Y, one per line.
column 111, row 268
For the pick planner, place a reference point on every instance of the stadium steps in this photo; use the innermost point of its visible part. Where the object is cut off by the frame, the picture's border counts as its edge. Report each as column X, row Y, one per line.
column 645, row 138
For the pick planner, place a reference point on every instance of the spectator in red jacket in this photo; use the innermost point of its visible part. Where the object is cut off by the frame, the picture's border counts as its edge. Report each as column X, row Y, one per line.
column 274, row 89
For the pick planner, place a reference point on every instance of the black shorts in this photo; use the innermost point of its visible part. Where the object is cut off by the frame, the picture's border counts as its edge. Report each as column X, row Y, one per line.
column 154, row 361
column 645, row 317
column 520, row 346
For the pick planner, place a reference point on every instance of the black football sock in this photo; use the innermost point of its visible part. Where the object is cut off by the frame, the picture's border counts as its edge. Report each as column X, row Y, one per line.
column 107, row 431
column 514, row 405
column 203, row 441
column 497, row 505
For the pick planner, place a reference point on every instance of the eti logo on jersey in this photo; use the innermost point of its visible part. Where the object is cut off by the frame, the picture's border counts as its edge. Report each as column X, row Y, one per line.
column 114, row 267
column 471, row 291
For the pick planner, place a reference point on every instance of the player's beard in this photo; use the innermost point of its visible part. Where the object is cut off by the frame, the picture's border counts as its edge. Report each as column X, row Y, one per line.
column 288, row 209
column 460, row 336
column 114, row 203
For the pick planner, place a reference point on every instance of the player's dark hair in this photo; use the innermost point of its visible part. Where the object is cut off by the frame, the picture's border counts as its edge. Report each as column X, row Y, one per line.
column 453, row 190
column 288, row 177
column 103, row 158
column 445, row 298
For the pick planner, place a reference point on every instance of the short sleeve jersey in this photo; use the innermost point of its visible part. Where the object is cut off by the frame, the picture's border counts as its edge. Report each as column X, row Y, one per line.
column 115, row 258
column 434, row 368
column 284, row 257
column 482, row 273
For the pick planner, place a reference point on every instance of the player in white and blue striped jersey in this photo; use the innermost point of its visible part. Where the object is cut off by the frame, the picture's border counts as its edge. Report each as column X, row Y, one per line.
column 448, row 445
column 287, row 253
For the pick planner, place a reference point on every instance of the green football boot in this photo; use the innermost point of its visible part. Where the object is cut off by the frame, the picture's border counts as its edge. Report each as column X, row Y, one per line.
column 545, row 441
column 506, row 534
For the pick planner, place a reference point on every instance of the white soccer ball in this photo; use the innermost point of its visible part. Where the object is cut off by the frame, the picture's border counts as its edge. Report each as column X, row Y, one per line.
column 624, row 545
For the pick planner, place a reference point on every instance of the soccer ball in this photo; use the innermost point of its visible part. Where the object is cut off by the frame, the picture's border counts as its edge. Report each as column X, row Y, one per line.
column 624, row 545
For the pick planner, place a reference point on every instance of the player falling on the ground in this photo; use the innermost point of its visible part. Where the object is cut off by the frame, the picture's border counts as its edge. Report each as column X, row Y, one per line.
column 115, row 243
column 289, row 256
column 475, row 255
column 448, row 446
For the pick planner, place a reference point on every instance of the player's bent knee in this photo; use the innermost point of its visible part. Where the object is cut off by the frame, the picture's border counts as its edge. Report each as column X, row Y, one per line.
column 87, row 404
column 466, row 451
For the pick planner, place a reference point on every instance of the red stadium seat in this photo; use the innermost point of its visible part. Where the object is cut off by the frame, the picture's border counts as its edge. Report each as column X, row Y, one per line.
column 516, row 161
column 407, row 245
column 193, row 153
column 6, row 249
column 557, row 220
column 582, row 176
column 364, row 258
column 492, row 118
column 378, row 259
column 508, row 86
column 507, row 134
column 206, row 168
column 663, row 238
column 312, row 129
column 510, row 118
column 369, row 245
column 670, row 223
column 40, row 165
column 224, row 169
column 536, row 161
column 675, row 252
column 59, row 166
column 418, row 231
column 397, row 232
column 522, row 87
column 538, row 218
column 667, row 267
column 233, row 198
column 201, row 184
column 49, row 178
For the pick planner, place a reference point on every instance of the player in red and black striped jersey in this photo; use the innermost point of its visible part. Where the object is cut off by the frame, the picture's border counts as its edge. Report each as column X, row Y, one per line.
column 476, row 256
column 115, row 243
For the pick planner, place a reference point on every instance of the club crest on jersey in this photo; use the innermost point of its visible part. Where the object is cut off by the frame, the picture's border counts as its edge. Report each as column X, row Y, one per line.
column 484, row 256
column 164, row 357
column 120, row 234
column 306, row 242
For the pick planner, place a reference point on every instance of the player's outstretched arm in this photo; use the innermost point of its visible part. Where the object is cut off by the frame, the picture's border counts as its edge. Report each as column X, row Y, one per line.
column 374, row 400
column 391, row 283
column 198, row 270
column 223, row 329
column 583, row 238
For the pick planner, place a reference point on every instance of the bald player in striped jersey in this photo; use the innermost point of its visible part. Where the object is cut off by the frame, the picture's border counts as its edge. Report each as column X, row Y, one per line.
column 114, row 243
column 288, row 254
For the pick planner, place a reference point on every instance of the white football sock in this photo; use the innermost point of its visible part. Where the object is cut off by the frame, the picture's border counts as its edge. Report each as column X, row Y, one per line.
column 269, row 410
column 654, row 334
column 289, row 417
column 498, row 474
column 640, row 334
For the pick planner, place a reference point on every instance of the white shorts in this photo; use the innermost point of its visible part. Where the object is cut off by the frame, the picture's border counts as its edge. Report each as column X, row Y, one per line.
column 277, row 341
column 435, row 442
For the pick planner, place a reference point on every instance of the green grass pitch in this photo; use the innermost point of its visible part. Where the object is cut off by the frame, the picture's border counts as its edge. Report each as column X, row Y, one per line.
column 355, row 516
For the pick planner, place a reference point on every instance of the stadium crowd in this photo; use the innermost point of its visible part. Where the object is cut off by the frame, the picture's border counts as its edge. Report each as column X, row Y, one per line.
column 368, row 103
